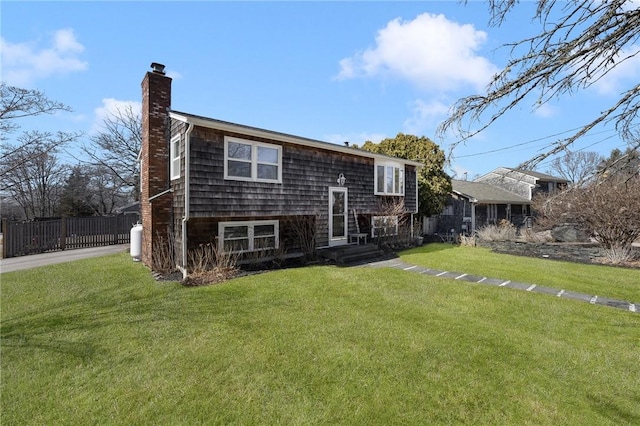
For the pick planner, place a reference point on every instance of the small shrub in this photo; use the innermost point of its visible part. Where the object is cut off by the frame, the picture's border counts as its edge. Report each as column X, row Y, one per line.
column 304, row 230
column 503, row 231
column 467, row 240
column 531, row 236
column 209, row 265
column 619, row 254
column 163, row 256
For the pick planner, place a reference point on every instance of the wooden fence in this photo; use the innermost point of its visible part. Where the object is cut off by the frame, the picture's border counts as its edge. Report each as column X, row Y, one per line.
column 24, row 238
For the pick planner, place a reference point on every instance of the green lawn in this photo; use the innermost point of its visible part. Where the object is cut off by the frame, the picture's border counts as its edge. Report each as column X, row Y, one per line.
column 607, row 281
column 100, row 342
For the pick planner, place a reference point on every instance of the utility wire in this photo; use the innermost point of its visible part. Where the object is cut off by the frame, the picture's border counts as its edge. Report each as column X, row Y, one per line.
column 529, row 142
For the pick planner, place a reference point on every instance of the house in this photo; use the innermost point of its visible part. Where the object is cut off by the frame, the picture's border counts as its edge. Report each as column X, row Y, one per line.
column 248, row 189
column 502, row 194
column 526, row 183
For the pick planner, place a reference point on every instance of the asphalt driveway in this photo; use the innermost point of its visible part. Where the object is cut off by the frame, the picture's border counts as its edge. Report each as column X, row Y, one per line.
column 35, row 260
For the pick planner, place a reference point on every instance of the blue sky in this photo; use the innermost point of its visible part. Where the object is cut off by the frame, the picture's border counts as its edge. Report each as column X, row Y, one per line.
column 333, row 71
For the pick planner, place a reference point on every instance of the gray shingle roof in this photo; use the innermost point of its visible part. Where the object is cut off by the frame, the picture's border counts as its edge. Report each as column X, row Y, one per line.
column 485, row 193
column 541, row 176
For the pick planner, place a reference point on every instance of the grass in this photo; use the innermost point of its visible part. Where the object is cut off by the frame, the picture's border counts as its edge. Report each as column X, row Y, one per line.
column 607, row 281
column 99, row 342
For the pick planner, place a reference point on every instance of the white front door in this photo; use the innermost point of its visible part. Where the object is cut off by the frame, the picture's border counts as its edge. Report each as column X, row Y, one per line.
column 338, row 216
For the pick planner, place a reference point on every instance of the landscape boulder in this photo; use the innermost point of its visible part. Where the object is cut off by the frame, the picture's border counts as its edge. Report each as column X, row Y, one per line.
column 569, row 233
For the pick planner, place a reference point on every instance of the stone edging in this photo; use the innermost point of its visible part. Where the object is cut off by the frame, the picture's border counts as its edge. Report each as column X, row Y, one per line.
column 534, row 288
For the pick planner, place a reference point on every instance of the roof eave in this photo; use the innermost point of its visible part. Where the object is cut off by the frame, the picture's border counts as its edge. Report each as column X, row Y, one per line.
column 283, row 137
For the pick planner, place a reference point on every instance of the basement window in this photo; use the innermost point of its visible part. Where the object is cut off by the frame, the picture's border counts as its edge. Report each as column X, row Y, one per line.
column 252, row 161
column 245, row 236
column 384, row 226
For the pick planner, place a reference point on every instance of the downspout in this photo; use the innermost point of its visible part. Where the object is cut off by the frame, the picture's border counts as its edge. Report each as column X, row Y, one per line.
column 412, row 234
column 185, row 218
column 473, row 216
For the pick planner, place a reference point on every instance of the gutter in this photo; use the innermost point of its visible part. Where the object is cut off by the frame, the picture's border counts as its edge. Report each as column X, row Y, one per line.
column 187, row 198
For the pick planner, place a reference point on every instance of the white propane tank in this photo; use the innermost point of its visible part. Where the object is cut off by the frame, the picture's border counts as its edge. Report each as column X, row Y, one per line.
column 136, row 242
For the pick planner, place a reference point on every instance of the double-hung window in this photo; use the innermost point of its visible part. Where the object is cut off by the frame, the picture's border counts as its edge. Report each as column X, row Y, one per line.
column 252, row 161
column 175, row 157
column 236, row 237
column 389, row 178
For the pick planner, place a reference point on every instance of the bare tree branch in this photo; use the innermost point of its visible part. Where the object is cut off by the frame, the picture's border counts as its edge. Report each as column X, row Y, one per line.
column 33, row 175
column 578, row 167
column 580, row 42
column 20, row 103
column 115, row 148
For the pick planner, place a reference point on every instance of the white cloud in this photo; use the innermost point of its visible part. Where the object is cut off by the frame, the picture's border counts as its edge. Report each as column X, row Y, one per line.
column 109, row 109
column 24, row 63
column 357, row 138
column 461, row 173
column 618, row 79
column 425, row 117
column 174, row 75
column 431, row 52
column 545, row 111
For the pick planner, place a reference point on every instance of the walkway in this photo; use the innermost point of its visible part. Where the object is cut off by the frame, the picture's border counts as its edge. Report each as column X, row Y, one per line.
column 32, row 261
column 534, row 288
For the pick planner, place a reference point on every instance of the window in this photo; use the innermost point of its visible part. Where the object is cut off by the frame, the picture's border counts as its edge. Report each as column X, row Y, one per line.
column 175, row 157
column 448, row 210
column 235, row 237
column 252, row 161
column 384, row 226
column 389, row 179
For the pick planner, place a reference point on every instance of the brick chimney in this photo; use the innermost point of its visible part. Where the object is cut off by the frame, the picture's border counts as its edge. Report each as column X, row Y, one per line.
column 154, row 160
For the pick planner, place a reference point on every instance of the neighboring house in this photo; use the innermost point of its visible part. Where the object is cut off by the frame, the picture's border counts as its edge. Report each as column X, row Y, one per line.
column 247, row 189
column 525, row 183
column 503, row 194
column 475, row 204
column 133, row 208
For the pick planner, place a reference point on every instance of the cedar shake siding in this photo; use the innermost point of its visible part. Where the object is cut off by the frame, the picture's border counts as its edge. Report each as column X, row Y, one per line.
column 307, row 174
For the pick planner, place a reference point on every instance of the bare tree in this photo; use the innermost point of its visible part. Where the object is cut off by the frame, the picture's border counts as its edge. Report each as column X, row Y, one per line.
column 579, row 43
column 578, row 167
column 20, row 103
column 115, row 148
column 607, row 208
column 32, row 175
column 30, row 172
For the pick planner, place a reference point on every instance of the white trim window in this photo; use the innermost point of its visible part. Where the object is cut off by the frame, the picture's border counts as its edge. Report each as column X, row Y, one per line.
column 245, row 236
column 389, row 178
column 252, row 161
column 384, row 226
column 175, row 157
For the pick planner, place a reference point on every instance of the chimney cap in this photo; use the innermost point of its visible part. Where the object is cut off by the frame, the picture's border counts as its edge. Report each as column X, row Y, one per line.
column 157, row 68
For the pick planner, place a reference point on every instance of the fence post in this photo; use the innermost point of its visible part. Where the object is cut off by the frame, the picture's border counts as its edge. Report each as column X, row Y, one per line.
column 63, row 233
column 114, row 225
